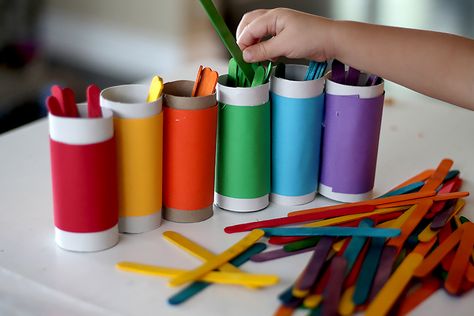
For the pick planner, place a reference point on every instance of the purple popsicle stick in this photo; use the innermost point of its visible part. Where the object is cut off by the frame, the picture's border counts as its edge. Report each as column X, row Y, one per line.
column 277, row 254
column 332, row 293
column 442, row 217
column 352, row 76
column 338, row 73
column 311, row 272
column 387, row 259
column 372, row 80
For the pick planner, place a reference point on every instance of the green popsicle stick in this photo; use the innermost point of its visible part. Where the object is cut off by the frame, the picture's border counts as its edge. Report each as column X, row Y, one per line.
column 301, row 244
column 232, row 73
column 227, row 38
column 259, row 76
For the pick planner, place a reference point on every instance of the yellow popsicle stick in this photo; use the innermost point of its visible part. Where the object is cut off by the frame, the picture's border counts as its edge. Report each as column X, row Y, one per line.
column 197, row 250
column 218, row 260
column 392, row 289
column 429, row 233
column 312, row 301
column 346, row 305
column 213, row 276
column 156, row 87
column 348, row 218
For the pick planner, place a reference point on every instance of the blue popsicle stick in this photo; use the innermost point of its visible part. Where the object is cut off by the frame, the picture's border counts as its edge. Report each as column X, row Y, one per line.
column 367, row 272
column 332, row 231
column 198, row 286
column 355, row 245
column 310, row 73
column 451, row 174
column 321, row 70
column 413, row 187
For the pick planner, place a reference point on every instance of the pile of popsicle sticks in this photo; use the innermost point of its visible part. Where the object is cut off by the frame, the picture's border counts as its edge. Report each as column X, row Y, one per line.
column 381, row 256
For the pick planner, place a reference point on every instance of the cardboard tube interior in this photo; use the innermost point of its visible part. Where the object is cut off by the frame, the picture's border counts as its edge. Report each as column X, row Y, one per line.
column 178, row 96
column 364, row 92
column 294, row 85
column 252, row 96
column 129, row 101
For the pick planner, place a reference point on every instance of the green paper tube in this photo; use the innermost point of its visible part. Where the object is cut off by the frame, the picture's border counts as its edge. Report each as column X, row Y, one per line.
column 243, row 147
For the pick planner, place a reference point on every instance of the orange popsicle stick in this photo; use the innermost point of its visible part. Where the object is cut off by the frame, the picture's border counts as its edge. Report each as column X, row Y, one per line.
column 470, row 273
column 430, row 262
column 438, row 176
column 410, row 224
column 438, row 197
column 461, row 260
column 197, row 81
column 208, row 83
column 377, row 202
column 428, row 287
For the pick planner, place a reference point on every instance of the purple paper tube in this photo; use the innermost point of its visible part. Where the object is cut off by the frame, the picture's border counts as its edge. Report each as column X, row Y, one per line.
column 351, row 132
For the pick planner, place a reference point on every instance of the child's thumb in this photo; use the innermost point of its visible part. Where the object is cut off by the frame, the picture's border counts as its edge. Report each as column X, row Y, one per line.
column 261, row 51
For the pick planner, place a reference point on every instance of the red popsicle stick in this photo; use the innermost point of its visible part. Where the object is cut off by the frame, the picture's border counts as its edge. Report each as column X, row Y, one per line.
column 57, row 92
column 53, row 106
column 299, row 218
column 452, row 185
column 93, row 101
column 70, row 103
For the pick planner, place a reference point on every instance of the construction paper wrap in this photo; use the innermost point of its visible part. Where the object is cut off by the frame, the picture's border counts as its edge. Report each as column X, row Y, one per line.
column 243, row 147
column 351, row 128
column 190, row 125
column 139, row 135
column 83, row 170
column 297, row 114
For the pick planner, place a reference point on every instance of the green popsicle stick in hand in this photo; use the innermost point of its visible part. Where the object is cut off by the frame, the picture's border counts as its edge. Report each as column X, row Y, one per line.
column 227, row 38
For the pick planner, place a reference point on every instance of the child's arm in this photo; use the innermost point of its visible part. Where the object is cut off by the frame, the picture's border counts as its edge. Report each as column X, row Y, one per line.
column 436, row 64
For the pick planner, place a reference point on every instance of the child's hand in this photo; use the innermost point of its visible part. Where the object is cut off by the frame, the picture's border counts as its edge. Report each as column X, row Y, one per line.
column 295, row 35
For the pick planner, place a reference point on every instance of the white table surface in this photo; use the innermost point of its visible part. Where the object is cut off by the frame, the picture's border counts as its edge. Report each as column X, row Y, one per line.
column 38, row 278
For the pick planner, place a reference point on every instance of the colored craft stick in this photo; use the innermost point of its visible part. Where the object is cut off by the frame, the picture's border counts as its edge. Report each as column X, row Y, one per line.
column 352, row 76
column 434, row 259
column 214, row 277
column 428, row 287
column 438, row 176
column 284, row 311
column 448, row 186
column 312, row 301
column 259, row 76
column 451, row 174
column 372, row 80
column 198, row 286
column 338, row 72
column 53, row 106
column 70, row 103
column 356, row 267
column 443, row 217
column 379, row 203
column 355, row 245
column 395, row 285
column 93, row 102
column 57, row 92
column 227, row 38
column 206, row 84
column 349, row 218
column 155, row 90
column 429, row 233
column 301, row 244
column 410, row 224
column 311, row 71
column 321, row 70
column 277, row 254
column 218, row 260
column 286, row 295
column 198, row 78
column 367, row 272
column 422, row 176
column 409, row 188
column 333, row 291
column 195, row 250
column 461, row 260
column 384, row 269
column 436, row 198
column 316, row 311
column 310, row 274
column 281, row 221
column 332, row 231
column 470, row 273
column 346, row 305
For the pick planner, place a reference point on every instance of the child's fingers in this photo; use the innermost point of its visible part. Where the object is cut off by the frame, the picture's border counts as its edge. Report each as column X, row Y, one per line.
column 266, row 50
column 257, row 29
column 248, row 18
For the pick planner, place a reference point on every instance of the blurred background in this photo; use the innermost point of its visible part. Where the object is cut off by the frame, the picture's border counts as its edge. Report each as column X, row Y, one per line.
column 107, row 42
